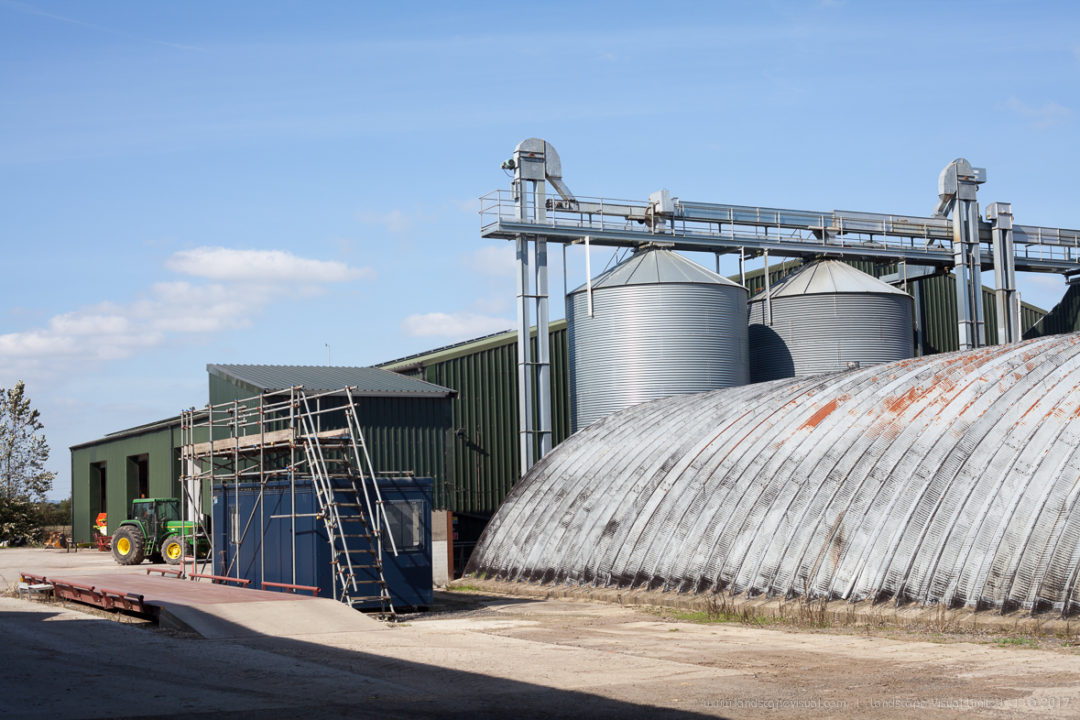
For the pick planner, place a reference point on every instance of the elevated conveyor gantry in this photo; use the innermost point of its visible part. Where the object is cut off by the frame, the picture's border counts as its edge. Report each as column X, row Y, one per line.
column 963, row 243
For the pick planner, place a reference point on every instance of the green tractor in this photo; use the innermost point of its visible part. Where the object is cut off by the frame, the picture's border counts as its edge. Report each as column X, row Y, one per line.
column 155, row 531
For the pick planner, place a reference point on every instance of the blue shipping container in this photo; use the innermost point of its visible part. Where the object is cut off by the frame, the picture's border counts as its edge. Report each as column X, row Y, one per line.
column 253, row 538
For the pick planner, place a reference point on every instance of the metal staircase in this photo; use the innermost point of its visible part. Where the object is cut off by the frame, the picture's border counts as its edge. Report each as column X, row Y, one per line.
column 351, row 508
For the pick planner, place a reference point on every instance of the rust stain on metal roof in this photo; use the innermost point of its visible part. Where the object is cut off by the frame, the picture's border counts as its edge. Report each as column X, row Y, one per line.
column 898, row 403
column 823, row 412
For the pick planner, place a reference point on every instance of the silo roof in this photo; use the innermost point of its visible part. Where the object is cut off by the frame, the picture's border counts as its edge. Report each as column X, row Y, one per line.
column 949, row 479
column 827, row 277
column 656, row 266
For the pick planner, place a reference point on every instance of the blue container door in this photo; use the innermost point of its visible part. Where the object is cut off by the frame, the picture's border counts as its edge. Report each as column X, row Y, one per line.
column 408, row 512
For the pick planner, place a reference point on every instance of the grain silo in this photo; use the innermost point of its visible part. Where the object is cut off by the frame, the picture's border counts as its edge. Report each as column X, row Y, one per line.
column 655, row 325
column 823, row 318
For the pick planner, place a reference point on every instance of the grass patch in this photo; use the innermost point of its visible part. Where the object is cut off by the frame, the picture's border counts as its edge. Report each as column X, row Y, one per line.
column 464, row 588
column 721, row 609
column 724, row 609
column 1016, row 642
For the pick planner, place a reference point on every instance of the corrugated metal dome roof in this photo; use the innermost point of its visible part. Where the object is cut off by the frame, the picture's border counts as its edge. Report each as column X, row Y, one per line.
column 828, row 277
column 655, row 266
column 950, row 479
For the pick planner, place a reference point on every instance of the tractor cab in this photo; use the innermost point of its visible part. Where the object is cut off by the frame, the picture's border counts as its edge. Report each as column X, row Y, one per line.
column 154, row 513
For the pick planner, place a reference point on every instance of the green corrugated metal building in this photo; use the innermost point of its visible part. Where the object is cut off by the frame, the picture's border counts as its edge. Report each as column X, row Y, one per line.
column 405, row 421
column 1064, row 318
column 406, row 424
column 107, row 474
column 485, row 412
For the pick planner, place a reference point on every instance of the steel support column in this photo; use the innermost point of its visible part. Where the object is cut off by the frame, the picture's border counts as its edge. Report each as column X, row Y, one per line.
column 543, row 351
column 1005, row 295
column 957, row 187
column 967, row 266
column 535, row 163
column 524, row 376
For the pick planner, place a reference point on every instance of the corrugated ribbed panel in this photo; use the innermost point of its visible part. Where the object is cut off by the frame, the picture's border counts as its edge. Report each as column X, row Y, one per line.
column 812, row 334
column 649, row 341
column 948, row 479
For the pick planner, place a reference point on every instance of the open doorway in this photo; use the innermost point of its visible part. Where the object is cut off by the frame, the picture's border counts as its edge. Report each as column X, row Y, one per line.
column 138, row 477
column 98, row 495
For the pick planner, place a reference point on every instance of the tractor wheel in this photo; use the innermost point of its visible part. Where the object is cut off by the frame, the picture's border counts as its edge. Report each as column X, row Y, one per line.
column 129, row 545
column 172, row 550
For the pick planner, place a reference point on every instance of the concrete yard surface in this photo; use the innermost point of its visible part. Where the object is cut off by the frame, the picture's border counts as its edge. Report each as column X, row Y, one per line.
column 490, row 656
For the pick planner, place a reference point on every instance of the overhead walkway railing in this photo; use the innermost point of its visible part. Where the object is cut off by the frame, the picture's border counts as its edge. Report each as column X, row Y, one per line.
column 955, row 238
column 715, row 227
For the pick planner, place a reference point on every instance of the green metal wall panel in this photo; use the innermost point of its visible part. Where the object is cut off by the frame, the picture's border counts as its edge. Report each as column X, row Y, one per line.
column 223, row 391
column 160, row 448
column 1064, row 318
column 486, row 454
column 409, row 435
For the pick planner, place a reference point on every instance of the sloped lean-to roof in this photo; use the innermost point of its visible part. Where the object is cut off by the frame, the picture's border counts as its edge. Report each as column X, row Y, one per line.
column 367, row 381
column 947, row 479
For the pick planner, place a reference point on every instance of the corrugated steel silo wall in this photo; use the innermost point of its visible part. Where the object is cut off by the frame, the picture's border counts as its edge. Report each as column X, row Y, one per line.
column 484, row 426
column 649, row 341
column 938, row 299
column 812, row 334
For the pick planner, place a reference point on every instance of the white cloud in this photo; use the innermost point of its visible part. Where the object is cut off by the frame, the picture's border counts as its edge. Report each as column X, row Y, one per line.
column 493, row 305
column 470, row 206
column 395, row 221
column 493, row 261
column 1040, row 289
column 1044, row 116
column 243, row 282
column 261, row 266
column 458, row 326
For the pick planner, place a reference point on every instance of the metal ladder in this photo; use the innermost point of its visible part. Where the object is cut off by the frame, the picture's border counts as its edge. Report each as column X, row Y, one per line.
column 348, row 512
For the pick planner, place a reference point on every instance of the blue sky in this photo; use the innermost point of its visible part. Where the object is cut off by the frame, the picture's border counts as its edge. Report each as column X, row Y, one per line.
column 194, row 182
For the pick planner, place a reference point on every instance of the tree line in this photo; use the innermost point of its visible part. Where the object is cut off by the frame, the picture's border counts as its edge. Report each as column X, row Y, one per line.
column 24, row 481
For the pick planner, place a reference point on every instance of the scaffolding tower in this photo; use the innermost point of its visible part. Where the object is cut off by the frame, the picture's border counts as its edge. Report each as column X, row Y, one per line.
column 297, row 437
